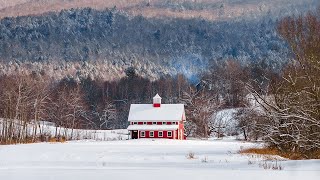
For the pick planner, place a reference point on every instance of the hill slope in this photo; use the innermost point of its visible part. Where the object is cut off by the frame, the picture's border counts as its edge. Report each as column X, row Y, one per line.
column 180, row 45
column 208, row 9
column 107, row 41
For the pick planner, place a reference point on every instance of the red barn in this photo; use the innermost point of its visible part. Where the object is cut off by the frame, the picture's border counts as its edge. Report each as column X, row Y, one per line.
column 157, row 120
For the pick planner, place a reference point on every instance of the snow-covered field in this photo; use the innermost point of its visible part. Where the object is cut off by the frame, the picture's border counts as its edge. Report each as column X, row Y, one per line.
column 144, row 159
column 49, row 129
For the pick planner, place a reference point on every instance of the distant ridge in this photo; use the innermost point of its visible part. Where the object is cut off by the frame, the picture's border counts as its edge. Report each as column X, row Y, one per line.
column 207, row 9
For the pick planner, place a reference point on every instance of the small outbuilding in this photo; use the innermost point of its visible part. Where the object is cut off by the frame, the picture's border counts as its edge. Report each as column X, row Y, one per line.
column 157, row 120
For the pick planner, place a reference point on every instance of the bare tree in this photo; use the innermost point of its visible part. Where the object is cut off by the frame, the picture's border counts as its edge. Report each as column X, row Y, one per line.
column 200, row 105
column 75, row 108
column 292, row 103
column 249, row 122
column 107, row 115
column 40, row 102
column 190, row 128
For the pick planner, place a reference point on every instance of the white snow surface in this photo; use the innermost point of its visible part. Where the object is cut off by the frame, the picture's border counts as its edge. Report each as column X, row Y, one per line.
column 153, row 127
column 146, row 112
column 144, row 159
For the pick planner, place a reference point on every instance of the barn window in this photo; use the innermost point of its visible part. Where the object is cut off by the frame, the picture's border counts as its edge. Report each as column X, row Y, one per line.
column 151, row 133
column 154, row 123
column 169, row 133
column 143, row 134
column 164, row 123
column 135, row 122
column 160, row 134
column 144, row 123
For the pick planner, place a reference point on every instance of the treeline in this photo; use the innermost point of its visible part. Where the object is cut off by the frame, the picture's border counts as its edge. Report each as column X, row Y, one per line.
column 27, row 101
column 88, row 34
column 97, row 104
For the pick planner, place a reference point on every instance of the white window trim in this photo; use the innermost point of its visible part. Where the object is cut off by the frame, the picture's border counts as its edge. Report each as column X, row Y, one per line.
column 152, row 133
column 142, row 134
column 168, row 133
column 144, row 123
column 154, row 123
column 164, row 123
column 161, row 133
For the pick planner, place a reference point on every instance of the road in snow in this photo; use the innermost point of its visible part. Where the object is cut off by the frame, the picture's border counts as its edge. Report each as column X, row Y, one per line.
column 143, row 159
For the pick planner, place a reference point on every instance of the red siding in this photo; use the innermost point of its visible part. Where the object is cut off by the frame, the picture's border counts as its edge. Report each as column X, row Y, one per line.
column 156, row 134
column 175, row 133
column 181, row 127
column 156, row 105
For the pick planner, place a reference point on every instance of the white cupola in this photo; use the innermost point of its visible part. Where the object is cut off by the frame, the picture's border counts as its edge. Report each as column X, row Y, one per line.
column 156, row 101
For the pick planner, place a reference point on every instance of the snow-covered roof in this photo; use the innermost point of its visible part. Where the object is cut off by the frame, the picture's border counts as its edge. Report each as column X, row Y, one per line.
column 157, row 96
column 153, row 127
column 166, row 112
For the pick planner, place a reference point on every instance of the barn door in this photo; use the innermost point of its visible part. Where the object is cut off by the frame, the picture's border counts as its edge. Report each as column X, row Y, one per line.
column 134, row 135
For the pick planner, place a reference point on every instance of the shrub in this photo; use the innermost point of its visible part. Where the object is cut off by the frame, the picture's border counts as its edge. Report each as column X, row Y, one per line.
column 205, row 159
column 191, row 155
column 274, row 151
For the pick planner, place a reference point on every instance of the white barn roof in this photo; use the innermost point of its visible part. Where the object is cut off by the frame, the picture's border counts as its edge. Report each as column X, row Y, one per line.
column 146, row 112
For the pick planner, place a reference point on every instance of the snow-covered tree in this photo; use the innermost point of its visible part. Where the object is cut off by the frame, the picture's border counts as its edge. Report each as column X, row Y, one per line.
column 200, row 105
column 190, row 128
column 108, row 115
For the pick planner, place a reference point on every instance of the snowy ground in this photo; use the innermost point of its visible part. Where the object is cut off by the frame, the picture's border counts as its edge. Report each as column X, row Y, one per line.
column 143, row 159
column 49, row 129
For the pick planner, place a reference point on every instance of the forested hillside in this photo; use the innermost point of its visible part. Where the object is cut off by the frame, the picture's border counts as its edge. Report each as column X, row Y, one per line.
column 111, row 36
column 87, row 34
column 155, row 37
